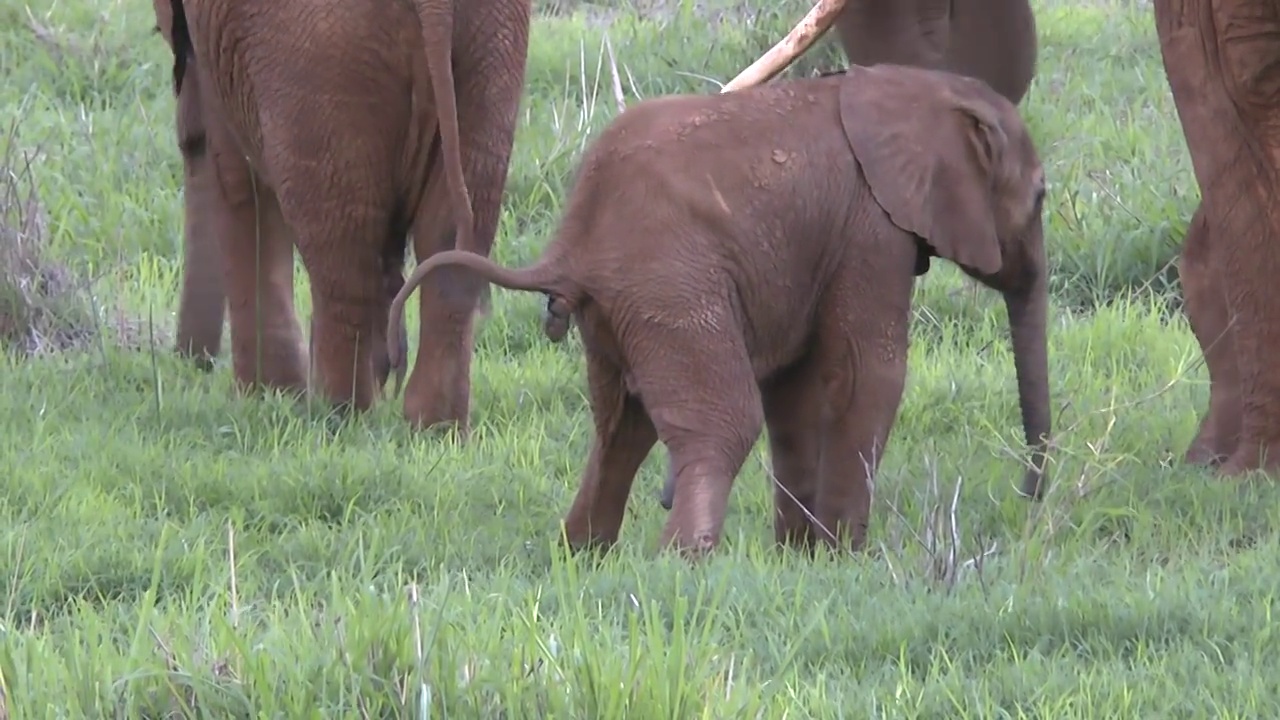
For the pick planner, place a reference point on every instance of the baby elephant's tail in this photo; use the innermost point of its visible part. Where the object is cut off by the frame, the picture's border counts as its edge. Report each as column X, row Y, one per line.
column 544, row 276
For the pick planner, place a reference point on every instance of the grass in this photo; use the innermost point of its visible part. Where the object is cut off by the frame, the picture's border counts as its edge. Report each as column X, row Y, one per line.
column 169, row 550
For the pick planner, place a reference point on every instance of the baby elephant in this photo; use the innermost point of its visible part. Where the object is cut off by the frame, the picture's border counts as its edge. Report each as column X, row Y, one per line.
column 746, row 260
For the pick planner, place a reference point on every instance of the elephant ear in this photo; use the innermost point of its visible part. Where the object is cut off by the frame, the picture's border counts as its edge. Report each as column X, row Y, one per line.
column 928, row 155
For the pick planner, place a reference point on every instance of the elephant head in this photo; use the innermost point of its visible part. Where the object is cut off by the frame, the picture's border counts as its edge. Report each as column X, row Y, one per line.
column 965, row 178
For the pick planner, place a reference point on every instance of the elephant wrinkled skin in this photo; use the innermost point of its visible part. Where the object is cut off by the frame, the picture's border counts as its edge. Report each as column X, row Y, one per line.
column 992, row 40
column 325, row 127
column 722, row 285
column 1222, row 60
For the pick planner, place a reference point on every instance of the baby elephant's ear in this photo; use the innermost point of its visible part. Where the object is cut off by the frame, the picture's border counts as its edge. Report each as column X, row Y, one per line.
column 928, row 155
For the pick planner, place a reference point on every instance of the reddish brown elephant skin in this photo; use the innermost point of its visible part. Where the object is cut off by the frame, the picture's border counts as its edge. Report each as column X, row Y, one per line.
column 722, row 285
column 250, row 173
column 1222, row 60
column 992, row 40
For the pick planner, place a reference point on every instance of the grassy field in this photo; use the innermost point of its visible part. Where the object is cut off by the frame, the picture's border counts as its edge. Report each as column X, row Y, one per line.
column 169, row 550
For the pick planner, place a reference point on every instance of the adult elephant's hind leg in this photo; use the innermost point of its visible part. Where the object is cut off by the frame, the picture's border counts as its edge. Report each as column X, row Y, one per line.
column 1206, row 307
column 203, row 304
column 438, row 391
column 624, row 435
column 266, row 341
column 341, row 252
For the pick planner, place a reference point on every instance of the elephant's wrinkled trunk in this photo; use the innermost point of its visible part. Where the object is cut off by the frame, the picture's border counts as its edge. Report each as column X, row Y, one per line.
column 1028, row 308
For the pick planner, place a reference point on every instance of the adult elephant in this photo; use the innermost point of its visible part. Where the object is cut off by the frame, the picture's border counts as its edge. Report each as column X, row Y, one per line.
column 316, row 127
column 992, row 40
column 1222, row 61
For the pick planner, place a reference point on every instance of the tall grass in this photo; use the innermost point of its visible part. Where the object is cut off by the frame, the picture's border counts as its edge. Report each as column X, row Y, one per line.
column 168, row 549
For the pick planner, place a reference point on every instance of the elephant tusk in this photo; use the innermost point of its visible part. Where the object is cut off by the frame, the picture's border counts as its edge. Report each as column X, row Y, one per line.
column 812, row 26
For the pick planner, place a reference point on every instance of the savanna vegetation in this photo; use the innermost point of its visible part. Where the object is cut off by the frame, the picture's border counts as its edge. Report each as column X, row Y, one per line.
column 168, row 549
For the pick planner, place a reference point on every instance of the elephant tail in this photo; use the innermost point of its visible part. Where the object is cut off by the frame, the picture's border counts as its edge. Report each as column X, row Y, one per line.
column 545, row 276
column 437, row 34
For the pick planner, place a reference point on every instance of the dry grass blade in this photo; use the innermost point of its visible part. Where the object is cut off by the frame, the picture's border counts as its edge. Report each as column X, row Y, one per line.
column 44, row 307
column 39, row 311
column 618, row 97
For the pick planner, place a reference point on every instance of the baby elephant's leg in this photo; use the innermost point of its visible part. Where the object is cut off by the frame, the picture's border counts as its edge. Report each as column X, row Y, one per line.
column 863, row 367
column 623, row 438
column 790, row 399
column 702, row 395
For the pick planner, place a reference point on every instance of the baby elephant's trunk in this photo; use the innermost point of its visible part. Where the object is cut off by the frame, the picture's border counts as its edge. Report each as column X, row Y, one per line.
column 544, row 276
column 1027, row 317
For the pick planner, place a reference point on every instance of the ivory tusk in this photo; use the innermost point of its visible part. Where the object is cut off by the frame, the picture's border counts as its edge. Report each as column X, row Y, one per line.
column 812, row 26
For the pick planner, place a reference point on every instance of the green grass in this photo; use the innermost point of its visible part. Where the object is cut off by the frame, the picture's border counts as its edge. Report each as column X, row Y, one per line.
column 168, row 548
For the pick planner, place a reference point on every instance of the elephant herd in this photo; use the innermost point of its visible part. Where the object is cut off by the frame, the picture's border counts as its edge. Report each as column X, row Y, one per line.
column 720, row 285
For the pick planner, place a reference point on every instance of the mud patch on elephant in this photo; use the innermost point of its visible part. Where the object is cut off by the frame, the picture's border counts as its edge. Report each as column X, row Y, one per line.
column 43, row 306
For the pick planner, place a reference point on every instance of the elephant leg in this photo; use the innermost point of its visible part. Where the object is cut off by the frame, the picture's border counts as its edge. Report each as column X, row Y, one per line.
column 202, row 304
column 708, row 415
column 794, row 450
column 257, row 247
column 861, row 354
column 1206, row 307
column 490, row 52
column 624, row 435
column 1222, row 60
column 347, row 285
column 438, row 391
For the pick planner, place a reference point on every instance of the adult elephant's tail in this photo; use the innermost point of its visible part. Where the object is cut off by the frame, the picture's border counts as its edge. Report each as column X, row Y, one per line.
column 545, row 276
column 437, row 22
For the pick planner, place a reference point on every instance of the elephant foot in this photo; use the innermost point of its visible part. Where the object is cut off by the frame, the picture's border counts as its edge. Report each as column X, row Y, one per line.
column 277, row 361
column 1250, row 457
column 1204, row 451
column 201, row 361
column 438, row 392
column 696, row 548
column 286, row 376
column 442, row 404
column 1213, row 445
column 200, row 354
column 438, row 418
column 582, row 541
column 1203, row 455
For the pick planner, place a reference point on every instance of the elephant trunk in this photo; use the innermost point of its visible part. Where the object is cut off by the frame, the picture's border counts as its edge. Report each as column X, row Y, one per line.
column 1028, row 310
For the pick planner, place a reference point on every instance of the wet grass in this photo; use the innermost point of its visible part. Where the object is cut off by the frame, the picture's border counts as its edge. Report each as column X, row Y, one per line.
column 168, row 548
